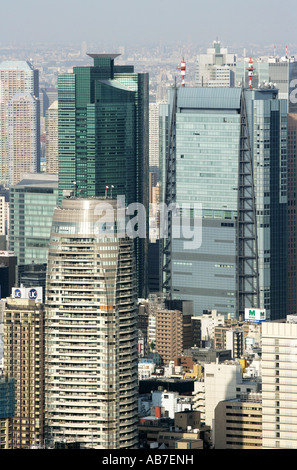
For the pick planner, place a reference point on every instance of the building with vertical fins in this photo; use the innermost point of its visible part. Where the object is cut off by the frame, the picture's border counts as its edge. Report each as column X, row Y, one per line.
column 227, row 151
column 103, row 137
column 91, row 388
column 19, row 121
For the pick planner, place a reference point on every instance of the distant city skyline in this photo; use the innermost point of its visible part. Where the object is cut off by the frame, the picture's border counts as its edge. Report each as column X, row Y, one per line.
column 163, row 21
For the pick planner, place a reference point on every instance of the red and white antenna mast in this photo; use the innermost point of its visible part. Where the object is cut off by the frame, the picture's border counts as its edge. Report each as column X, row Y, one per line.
column 182, row 69
column 250, row 71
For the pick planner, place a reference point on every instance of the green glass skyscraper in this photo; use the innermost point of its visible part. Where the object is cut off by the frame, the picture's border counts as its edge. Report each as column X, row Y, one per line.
column 103, row 137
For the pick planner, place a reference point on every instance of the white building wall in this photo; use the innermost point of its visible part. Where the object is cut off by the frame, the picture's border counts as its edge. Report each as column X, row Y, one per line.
column 220, row 381
column 151, row 331
column 145, row 370
column 172, row 402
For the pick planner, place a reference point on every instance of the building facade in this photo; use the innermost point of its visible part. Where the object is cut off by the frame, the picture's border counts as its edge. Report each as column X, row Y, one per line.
column 32, row 204
column 19, row 121
column 216, row 68
column 220, row 383
column 52, row 138
column 291, row 216
column 103, row 138
column 23, row 360
column 91, row 388
column 7, row 409
column 278, row 71
column 169, row 334
column 227, row 152
column 279, row 379
column 154, row 136
column 238, row 424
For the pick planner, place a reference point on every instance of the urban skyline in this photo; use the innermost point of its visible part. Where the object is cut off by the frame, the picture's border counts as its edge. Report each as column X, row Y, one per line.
column 166, row 369
column 150, row 22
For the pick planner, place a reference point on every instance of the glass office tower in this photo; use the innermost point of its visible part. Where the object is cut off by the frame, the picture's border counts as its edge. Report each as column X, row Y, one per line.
column 213, row 132
column 103, row 137
column 32, row 204
column 91, row 388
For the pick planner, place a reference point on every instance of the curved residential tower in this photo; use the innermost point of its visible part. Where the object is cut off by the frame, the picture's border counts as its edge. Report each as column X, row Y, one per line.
column 91, row 332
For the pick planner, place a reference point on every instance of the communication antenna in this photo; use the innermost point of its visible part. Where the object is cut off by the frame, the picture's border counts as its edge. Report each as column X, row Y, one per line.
column 182, row 69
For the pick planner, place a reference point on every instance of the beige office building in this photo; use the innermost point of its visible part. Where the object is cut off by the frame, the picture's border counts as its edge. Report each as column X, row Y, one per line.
column 169, row 334
column 23, row 360
column 91, row 388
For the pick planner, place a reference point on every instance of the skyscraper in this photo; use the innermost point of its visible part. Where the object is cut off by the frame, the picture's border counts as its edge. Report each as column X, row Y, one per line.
column 32, row 203
column 154, row 136
column 291, row 218
column 227, row 152
column 19, row 121
column 91, row 388
column 52, row 139
column 23, row 361
column 103, row 137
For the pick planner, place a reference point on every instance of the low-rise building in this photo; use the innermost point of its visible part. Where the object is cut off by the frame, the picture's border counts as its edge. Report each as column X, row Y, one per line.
column 238, row 423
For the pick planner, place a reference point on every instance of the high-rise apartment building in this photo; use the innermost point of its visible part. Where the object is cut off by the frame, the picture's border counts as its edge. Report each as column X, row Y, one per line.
column 226, row 171
column 169, row 334
column 216, row 68
column 19, row 121
column 23, row 361
column 91, row 388
column 32, row 204
column 52, row 138
column 103, row 137
column 220, row 383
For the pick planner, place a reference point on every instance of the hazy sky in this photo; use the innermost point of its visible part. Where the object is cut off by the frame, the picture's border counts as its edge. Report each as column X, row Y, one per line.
column 123, row 22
